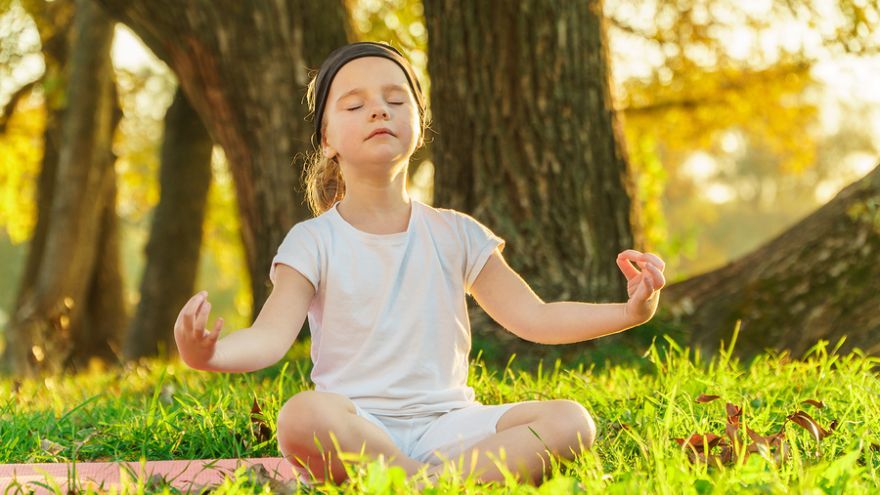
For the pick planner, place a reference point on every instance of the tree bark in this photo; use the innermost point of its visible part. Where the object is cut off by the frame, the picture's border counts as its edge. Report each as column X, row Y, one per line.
column 52, row 313
column 172, row 251
column 243, row 67
column 528, row 140
column 818, row 280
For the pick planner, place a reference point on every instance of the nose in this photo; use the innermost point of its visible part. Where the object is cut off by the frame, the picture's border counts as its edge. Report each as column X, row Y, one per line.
column 379, row 112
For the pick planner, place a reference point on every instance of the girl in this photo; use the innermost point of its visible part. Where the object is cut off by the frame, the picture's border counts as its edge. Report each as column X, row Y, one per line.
column 383, row 280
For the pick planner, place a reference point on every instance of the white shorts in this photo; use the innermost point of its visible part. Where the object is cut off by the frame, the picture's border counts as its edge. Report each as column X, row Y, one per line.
column 434, row 438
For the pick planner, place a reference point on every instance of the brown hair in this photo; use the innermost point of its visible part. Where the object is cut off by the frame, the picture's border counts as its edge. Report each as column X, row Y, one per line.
column 324, row 184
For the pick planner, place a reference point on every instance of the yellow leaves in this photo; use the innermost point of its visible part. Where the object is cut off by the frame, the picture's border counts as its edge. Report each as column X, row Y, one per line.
column 21, row 151
column 766, row 104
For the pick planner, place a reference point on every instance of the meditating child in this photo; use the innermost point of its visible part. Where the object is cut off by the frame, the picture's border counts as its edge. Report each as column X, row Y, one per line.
column 383, row 279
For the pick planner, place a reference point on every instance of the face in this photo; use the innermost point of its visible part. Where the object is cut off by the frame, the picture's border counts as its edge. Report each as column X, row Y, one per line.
column 369, row 94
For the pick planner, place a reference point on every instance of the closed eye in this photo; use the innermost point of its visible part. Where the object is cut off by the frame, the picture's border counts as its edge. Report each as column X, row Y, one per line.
column 396, row 102
column 354, row 108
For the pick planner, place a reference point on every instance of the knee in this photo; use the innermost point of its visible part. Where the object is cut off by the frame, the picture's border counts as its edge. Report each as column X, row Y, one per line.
column 575, row 424
column 302, row 416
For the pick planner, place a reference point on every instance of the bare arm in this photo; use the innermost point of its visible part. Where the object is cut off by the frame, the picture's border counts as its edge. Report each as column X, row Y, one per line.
column 508, row 299
column 262, row 344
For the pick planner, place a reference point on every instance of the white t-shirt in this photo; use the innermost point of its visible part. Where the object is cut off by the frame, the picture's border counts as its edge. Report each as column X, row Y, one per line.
column 389, row 320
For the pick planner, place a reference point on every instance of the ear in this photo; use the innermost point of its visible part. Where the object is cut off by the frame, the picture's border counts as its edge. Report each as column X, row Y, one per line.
column 326, row 149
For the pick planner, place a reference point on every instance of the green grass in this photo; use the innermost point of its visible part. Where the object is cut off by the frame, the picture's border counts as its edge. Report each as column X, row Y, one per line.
column 159, row 410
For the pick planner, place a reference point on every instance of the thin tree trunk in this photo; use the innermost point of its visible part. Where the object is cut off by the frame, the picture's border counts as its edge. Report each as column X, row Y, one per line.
column 53, row 23
column 243, row 67
column 528, row 140
column 49, row 319
column 818, row 280
column 172, row 251
column 100, row 336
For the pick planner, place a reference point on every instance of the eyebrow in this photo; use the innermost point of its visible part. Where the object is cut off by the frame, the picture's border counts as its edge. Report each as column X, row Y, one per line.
column 386, row 88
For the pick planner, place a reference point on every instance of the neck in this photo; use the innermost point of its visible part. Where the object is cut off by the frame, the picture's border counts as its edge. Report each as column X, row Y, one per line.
column 375, row 195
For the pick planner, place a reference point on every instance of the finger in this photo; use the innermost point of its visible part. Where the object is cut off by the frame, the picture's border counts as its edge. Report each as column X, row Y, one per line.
column 657, row 276
column 631, row 254
column 655, row 260
column 201, row 321
column 626, row 267
column 190, row 308
column 218, row 325
column 643, row 291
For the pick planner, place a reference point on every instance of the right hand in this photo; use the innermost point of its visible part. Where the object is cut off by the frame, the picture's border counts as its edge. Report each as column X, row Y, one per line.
column 194, row 343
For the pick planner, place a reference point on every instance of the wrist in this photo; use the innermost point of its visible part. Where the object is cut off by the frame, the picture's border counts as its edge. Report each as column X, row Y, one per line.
column 634, row 315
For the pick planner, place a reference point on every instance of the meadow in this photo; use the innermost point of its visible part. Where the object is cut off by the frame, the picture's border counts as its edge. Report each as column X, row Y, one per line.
column 661, row 428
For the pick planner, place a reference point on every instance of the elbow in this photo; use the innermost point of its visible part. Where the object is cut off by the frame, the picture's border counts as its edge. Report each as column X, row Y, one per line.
column 531, row 327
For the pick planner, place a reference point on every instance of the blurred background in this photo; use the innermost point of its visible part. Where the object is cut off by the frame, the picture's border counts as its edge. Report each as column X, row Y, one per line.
column 739, row 119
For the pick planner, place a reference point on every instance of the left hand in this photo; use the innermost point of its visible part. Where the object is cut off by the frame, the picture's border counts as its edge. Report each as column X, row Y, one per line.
column 642, row 286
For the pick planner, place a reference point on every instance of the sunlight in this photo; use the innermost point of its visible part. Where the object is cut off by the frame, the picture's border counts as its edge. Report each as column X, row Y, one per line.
column 719, row 193
column 129, row 52
column 700, row 166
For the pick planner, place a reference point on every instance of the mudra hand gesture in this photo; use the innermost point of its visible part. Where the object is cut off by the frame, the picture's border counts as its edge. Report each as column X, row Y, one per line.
column 194, row 342
column 643, row 285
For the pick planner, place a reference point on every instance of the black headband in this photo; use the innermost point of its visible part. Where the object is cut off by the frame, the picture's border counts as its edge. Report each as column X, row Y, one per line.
column 346, row 54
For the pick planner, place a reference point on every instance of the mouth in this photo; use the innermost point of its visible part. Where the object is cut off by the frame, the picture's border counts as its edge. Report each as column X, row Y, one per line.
column 379, row 132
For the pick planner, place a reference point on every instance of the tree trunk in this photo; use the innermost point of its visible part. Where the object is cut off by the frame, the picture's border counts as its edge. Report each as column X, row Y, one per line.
column 818, row 280
column 51, row 313
column 243, row 67
column 175, row 233
column 528, row 140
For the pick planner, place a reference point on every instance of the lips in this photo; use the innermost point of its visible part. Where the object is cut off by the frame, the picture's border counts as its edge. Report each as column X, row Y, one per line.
column 381, row 130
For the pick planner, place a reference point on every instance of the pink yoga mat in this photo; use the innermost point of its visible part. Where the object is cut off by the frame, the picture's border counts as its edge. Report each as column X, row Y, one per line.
column 184, row 474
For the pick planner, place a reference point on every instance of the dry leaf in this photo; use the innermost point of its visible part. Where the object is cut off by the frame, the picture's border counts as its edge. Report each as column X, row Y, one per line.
column 697, row 441
column 731, row 431
column 807, row 422
column 51, row 447
column 262, row 476
column 815, row 403
column 703, row 398
column 734, row 412
column 261, row 430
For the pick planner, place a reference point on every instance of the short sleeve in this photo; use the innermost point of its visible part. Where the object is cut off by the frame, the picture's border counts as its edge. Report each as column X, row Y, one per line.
column 299, row 250
column 480, row 243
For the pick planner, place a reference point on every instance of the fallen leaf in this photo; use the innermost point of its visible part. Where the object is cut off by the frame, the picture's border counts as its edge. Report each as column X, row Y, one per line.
column 261, row 429
column 807, row 422
column 731, row 431
column 815, row 403
column 703, row 398
column 51, row 447
column 698, row 442
column 734, row 412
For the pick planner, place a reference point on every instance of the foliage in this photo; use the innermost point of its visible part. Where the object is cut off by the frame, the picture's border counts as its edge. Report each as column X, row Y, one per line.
column 21, row 149
column 733, row 84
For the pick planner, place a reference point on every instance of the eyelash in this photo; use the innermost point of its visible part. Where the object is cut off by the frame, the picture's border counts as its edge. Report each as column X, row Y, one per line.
column 359, row 106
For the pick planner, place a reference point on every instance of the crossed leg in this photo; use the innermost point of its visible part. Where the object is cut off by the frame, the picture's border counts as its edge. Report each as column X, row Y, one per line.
column 564, row 427
column 311, row 415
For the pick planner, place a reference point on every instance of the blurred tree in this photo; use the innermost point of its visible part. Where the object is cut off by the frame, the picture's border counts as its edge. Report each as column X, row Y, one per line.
column 528, row 139
column 176, row 232
column 243, row 67
column 736, row 82
column 70, row 306
column 733, row 84
column 817, row 280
